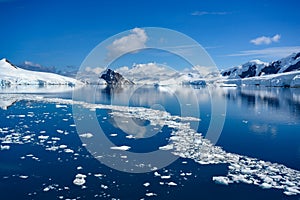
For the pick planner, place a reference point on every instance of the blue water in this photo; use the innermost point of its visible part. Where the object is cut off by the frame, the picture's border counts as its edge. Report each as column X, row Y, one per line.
column 263, row 123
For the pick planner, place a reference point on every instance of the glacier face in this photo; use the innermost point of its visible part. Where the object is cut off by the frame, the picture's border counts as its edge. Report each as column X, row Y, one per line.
column 12, row 75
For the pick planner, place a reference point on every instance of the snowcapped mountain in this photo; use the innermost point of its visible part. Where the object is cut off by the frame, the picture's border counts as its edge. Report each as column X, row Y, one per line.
column 281, row 73
column 259, row 68
column 154, row 73
column 13, row 75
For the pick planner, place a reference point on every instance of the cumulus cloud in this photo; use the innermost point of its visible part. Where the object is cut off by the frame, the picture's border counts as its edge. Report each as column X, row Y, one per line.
column 265, row 40
column 135, row 40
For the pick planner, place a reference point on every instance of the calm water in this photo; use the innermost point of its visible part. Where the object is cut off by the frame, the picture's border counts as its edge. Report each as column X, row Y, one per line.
column 41, row 151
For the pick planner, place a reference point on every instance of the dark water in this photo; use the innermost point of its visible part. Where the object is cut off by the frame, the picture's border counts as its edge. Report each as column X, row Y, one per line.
column 263, row 123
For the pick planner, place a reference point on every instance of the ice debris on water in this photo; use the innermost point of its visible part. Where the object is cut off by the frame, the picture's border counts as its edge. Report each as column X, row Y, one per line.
column 189, row 144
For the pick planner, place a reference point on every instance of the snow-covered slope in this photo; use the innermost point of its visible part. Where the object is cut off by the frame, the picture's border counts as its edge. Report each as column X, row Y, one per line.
column 13, row 75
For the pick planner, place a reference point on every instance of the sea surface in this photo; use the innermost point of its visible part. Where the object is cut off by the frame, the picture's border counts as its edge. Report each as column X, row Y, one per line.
column 145, row 142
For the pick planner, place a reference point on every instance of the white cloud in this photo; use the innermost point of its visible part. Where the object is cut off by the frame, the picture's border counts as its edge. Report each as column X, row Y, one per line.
column 265, row 40
column 134, row 41
column 278, row 52
column 32, row 64
column 96, row 70
column 200, row 13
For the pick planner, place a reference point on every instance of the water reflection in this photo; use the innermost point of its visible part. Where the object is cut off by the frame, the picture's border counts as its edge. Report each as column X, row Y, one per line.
column 282, row 103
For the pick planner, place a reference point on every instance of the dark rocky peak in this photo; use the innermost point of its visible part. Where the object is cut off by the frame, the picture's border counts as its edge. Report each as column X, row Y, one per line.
column 114, row 78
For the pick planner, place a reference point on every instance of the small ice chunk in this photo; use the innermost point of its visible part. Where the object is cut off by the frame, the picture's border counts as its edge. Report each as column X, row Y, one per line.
column 121, row 148
column 62, row 146
column 60, row 106
column 221, row 180
column 98, row 175
column 266, row 185
column 113, row 135
column 68, row 151
column 156, row 174
column 60, row 131
column 172, row 184
column 165, row 177
column 79, row 168
column 23, row 177
column 104, row 186
column 86, row 135
column 146, row 184
column 43, row 137
column 4, row 147
column 55, row 138
column 79, row 179
column 150, row 194
column 167, row 147
column 130, row 136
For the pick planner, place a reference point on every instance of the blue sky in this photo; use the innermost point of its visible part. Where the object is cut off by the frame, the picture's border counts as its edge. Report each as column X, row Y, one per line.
column 62, row 33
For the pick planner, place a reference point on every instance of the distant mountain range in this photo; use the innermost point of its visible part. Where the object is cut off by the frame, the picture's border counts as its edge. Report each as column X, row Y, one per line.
column 282, row 73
